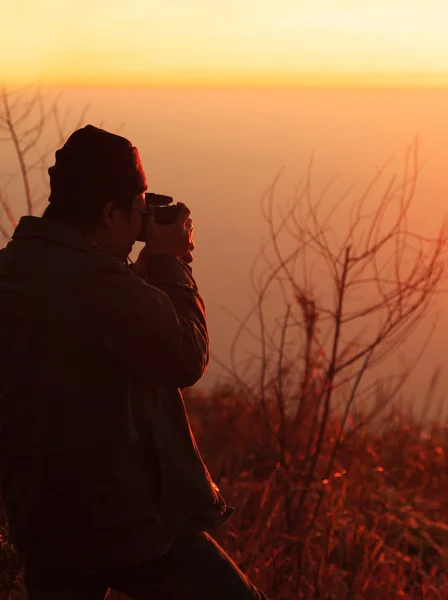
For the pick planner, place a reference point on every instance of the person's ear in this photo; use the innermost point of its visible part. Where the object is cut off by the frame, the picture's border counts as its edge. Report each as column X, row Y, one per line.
column 108, row 214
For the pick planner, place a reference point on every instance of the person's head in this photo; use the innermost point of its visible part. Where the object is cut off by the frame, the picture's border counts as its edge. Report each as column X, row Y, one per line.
column 97, row 185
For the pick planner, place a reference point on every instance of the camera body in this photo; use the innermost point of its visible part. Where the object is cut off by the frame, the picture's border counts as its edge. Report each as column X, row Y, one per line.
column 165, row 213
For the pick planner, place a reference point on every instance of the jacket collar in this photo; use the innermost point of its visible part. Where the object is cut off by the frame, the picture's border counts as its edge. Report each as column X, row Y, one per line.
column 39, row 227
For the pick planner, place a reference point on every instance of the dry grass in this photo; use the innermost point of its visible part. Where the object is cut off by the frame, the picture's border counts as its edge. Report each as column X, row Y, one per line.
column 376, row 529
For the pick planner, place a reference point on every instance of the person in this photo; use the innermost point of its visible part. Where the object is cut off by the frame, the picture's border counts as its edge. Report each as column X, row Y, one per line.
column 102, row 482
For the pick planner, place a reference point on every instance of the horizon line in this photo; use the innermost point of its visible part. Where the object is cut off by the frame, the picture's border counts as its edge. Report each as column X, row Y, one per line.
column 218, row 87
column 353, row 81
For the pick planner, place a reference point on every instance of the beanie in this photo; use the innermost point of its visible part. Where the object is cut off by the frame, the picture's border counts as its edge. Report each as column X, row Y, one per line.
column 95, row 166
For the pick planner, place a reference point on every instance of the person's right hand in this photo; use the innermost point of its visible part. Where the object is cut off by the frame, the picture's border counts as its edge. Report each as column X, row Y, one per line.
column 175, row 238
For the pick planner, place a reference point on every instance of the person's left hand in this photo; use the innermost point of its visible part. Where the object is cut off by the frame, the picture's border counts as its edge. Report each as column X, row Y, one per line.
column 139, row 267
column 188, row 256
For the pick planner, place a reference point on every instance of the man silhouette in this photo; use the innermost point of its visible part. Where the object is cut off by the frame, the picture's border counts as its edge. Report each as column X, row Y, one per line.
column 102, row 482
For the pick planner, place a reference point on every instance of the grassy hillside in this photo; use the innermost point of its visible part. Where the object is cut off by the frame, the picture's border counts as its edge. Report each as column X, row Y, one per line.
column 377, row 528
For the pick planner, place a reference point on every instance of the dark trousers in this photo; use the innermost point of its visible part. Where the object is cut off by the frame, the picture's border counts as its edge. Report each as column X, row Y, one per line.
column 196, row 568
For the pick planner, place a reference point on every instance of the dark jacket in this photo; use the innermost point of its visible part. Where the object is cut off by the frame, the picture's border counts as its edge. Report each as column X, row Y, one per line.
column 99, row 468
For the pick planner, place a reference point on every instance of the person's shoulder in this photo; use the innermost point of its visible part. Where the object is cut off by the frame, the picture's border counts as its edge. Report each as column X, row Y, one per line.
column 92, row 262
column 101, row 270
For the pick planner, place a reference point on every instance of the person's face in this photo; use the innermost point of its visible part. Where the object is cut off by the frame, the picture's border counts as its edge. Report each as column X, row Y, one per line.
column 118, row 229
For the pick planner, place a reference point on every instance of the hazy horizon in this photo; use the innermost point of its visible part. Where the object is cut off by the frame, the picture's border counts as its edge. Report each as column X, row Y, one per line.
column 219, row 150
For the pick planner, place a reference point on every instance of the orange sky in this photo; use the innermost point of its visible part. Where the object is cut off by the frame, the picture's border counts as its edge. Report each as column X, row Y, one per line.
column 239, row 42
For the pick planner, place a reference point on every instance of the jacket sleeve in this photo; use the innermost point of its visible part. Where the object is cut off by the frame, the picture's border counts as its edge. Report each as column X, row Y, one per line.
column 157, row 329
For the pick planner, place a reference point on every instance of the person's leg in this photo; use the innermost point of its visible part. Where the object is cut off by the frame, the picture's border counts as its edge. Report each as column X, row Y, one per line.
column 195, row 569
column 65, row 589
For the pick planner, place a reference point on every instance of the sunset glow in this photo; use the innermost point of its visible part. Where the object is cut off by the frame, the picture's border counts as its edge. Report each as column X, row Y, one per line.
column 242, row 42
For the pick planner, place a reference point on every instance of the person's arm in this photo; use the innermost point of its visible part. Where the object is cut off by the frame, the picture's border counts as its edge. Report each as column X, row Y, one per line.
column 157, row 330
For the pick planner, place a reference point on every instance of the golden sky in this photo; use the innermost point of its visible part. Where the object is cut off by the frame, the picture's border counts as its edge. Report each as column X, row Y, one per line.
column 236, row 42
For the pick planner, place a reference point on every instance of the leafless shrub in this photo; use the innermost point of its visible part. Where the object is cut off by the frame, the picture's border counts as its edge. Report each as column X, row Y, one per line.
column 25, row 122
column 338, row 291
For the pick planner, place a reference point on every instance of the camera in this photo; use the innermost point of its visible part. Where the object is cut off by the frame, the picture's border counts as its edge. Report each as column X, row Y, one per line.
column 165, row 213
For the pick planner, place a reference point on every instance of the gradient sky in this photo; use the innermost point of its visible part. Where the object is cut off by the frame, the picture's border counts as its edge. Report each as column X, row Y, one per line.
column 205, row 42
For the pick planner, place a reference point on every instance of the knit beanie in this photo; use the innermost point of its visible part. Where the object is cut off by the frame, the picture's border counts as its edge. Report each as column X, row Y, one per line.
column 95, row 166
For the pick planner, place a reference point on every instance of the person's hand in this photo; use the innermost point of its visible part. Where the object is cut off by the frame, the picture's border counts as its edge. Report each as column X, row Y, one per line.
column 175, row 238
